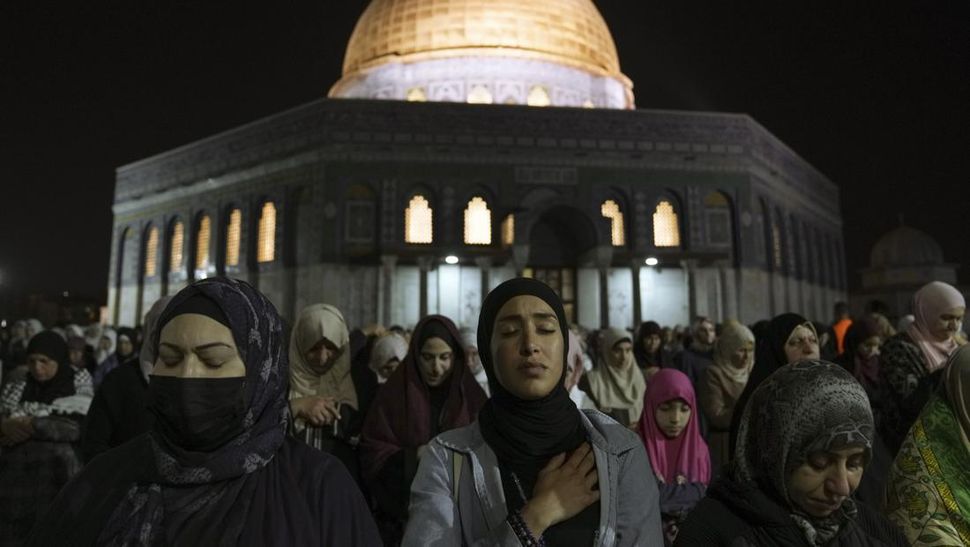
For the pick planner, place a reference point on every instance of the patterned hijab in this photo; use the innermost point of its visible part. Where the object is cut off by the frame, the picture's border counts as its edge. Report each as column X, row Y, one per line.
column 199, row 485
column 315, row 323
column 802, row 408
column 617, row 384
column 956, row 387
column 931, row 301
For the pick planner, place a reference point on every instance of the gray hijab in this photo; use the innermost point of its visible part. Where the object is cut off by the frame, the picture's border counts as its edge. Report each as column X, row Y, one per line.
column 146, row 357
column 802, row 408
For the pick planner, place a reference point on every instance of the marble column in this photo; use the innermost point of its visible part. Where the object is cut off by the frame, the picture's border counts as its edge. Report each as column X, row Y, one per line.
column 385, row 299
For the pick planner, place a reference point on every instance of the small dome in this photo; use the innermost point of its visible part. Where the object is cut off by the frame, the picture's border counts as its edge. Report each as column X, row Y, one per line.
column 905, row 246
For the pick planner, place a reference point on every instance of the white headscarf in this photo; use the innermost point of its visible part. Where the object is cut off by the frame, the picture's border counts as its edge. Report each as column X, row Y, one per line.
column 101, row 354
column 92, row 334
column 387, row 347
column 315, row 323
column 617, row 385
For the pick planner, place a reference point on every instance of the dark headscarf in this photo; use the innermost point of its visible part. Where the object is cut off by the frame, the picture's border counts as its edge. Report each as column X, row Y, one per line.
column 640, row 352
column 769, row 356
column 132, row 336
column 400, row 416
column 525, row 434
column 144, row 491
column 865, row 370
column 802, row 408
column 51, row 345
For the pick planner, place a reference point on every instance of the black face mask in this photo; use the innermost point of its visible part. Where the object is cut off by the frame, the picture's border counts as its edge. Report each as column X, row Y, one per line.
column 197, row 414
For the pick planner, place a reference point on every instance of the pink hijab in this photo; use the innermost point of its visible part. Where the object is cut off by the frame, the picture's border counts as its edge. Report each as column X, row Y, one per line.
column 931, row 301
column 686, row 455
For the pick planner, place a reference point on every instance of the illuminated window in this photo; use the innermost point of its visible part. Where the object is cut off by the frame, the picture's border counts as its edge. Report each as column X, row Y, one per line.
column 266, row 244
column 232, row 237
column 178, row 237
column 666, row 231
column 538, row 96
column 478, row 223
column 508, row 230
column 416, row 95
column 202, row 244
column 151, row 252
column 588, row 104
column 479, row 95
column 417, row 221
column 612, row 211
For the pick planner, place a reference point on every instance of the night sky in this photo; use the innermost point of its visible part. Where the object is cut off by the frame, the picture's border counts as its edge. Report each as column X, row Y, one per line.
column 879, row 101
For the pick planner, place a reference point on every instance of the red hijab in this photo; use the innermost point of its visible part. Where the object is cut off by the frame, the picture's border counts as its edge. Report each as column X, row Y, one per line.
column 400, row 416
column 686, row 455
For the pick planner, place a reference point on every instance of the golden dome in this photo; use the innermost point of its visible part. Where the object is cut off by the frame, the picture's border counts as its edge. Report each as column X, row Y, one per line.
column 570, row 32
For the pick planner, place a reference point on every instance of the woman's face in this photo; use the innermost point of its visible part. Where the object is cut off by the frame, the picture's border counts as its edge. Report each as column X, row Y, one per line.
column 104, row 343
column 948, row 324
column 801, row 344
column 672, row 417
column 651, row 343
column 621, row 354
column 322, row 356
column 826, row 479
column 388, row 368
column 125, row 346
column 435, row 361
column 41, row 367
column 869, row 347
column 195, row 346
column 742, row 357
column 527, row 346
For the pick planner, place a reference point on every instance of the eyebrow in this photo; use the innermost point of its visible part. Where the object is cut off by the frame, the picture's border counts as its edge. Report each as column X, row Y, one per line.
column 203, row 347
column 518, row 317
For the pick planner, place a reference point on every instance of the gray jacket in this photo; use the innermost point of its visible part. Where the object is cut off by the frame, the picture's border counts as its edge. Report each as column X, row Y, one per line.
column 629, row 501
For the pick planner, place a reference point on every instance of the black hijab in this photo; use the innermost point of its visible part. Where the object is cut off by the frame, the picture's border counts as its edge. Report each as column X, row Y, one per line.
column 769, row 356
column 132, row 336
column 643, row 358
column 525, row 434
column 51, row 345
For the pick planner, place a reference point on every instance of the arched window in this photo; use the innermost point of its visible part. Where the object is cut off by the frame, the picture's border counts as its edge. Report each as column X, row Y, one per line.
column 151, row 252
column 508, row 230
column 538, row 96
column 202, row 244
column 717, row 220
column 417, row 221
column 479, row 94
column 266, row 242
column 777, row 243
column 612, row 211
column 416, row 95
column 233, row 230
column 360, row 215
column 478, row 222
column 666, row 228
column 176, row 244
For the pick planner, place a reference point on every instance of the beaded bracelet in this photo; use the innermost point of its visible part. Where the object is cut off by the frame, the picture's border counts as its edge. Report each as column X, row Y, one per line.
column 522, row 531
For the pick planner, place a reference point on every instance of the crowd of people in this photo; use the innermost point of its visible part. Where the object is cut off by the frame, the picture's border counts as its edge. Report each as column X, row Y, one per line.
column 218, row 422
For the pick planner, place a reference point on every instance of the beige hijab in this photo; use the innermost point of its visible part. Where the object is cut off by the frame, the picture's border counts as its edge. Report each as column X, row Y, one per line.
column 617, row 385
column 733, row 337
column 315, row 323
column 956, row 385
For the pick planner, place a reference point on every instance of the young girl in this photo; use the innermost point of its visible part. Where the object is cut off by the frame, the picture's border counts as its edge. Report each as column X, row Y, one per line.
column 678, row 454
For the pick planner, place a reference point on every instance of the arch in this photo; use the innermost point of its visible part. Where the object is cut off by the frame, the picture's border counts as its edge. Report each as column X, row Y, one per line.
column 666, row 222
column 266, row 233
column 718, row 220
column 477, row 222
column 150, row 246
column 418, row 219
column 780, row 241
column 203, row 238
column 538, row 96
column 797, row 250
